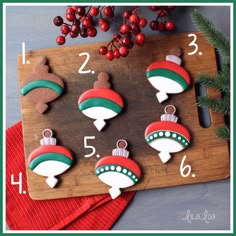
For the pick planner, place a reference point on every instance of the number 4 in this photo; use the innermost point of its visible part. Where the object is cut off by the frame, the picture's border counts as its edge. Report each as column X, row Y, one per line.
column 93, row 150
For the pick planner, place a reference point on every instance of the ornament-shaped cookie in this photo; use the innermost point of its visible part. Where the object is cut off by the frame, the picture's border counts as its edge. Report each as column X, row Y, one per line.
column 167, row 136
column 100, row 103
column 42, row 87
column 168, row 77
column 50, row 159
column 118, row 171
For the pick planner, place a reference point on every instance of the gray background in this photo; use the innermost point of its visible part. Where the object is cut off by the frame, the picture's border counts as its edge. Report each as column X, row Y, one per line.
column 158, row 209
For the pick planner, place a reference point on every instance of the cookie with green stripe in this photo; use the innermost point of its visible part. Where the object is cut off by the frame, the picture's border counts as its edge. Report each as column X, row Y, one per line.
column 168, row 77
column 41, row 87
column 50, row 160
column 100, row 103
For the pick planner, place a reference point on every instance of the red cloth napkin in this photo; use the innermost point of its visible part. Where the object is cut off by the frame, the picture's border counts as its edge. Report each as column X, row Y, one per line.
column 81, row 213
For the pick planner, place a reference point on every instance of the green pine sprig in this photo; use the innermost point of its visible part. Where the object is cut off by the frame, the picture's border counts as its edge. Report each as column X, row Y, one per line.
column 215, row 104
column 220, row 82
column 223, row 132
column 214, row 37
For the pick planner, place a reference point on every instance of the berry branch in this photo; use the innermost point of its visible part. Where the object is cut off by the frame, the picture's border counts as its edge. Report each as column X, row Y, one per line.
column 83, row 19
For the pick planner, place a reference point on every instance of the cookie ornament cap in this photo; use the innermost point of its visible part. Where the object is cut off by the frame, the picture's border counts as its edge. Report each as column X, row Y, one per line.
column 41, row 86
column 50, row 159
column 118, row 171
column 168, row 77
column 167, row 136
column 100, row 103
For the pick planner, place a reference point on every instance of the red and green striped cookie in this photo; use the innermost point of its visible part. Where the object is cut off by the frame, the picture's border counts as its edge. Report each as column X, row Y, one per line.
column 168, row 76
column 50, row 160
column 100, row 104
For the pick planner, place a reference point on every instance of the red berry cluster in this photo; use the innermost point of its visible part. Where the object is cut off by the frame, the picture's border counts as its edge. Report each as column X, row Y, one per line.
column 81, row 22
column 162, row 21
column 128, row 34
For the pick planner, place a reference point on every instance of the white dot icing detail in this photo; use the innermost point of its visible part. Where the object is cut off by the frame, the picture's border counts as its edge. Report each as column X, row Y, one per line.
column 97, row 171
column 124, row 171
column 161, row 134
column 107, row 168
column 151, row 137
column 118, row 168
column 136, row 180
column 133, row 176
column 179, row 138
column 148, row 139
column 112, row 167
column 129, row 173
column 174, row 135
column 155, row 135
column 167, row 134
column 101, row 169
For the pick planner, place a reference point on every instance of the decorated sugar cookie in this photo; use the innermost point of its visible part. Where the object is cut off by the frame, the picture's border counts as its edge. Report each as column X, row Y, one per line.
column 167, row 136
column 168, row 77
column 100, row 103
column 118, row 171
column 50, row 159
column 41, row 86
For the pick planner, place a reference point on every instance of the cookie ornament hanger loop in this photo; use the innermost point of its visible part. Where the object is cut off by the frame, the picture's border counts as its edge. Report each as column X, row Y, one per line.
column 50, row 159
column 167, row 136
column 168, row 77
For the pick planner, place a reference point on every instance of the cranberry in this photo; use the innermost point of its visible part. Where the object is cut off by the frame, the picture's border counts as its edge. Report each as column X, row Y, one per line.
column 110, row 55
column 65, row 29
column 92, row 32
column 86, row 22
column 134, row 18
column 143, row 22
column 94, row 11
column 135, row 29
column 161, row 13
column 70, row 17
column 116, row 53
column 81, row 11
column 170, row 25
column 103, row 50
column 161, row 26
column 108, row 12
column 125, row 41
column 60, row 40
column 104, row 26
column 124, row 28
column 124, row 51
column 127, row 14
column 74, row 35
column 70, row 10
column 58, row 21
column 154, row 25
column 83, row 33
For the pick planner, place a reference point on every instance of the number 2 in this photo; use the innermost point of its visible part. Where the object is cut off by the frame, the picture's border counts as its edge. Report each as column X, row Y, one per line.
column 193, row 43
column 93, row 149
column 81, row 71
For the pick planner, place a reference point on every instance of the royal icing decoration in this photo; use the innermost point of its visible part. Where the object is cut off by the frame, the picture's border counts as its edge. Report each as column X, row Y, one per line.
column 167, row 136
column 118, row 171
column 50, row 159
column 168, row 76
column 100, row 103
column 41, row 86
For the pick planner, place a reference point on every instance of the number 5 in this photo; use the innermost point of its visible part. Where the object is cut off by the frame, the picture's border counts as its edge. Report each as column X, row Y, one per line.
column 93, row 150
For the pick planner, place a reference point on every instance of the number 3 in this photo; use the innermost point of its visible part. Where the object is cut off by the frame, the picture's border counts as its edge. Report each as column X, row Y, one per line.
column 93, row 150
column 193, row 43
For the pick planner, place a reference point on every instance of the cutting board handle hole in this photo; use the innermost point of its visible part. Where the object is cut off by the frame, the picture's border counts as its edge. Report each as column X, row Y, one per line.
column 203, row 112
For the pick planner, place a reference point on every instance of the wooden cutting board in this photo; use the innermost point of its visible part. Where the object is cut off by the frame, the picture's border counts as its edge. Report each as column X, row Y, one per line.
column 205, row 160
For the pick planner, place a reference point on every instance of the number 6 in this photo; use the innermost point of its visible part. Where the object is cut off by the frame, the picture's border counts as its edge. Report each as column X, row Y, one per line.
column 182, row 168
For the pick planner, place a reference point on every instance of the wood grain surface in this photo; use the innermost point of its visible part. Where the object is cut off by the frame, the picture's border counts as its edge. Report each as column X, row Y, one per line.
column 207, row 154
